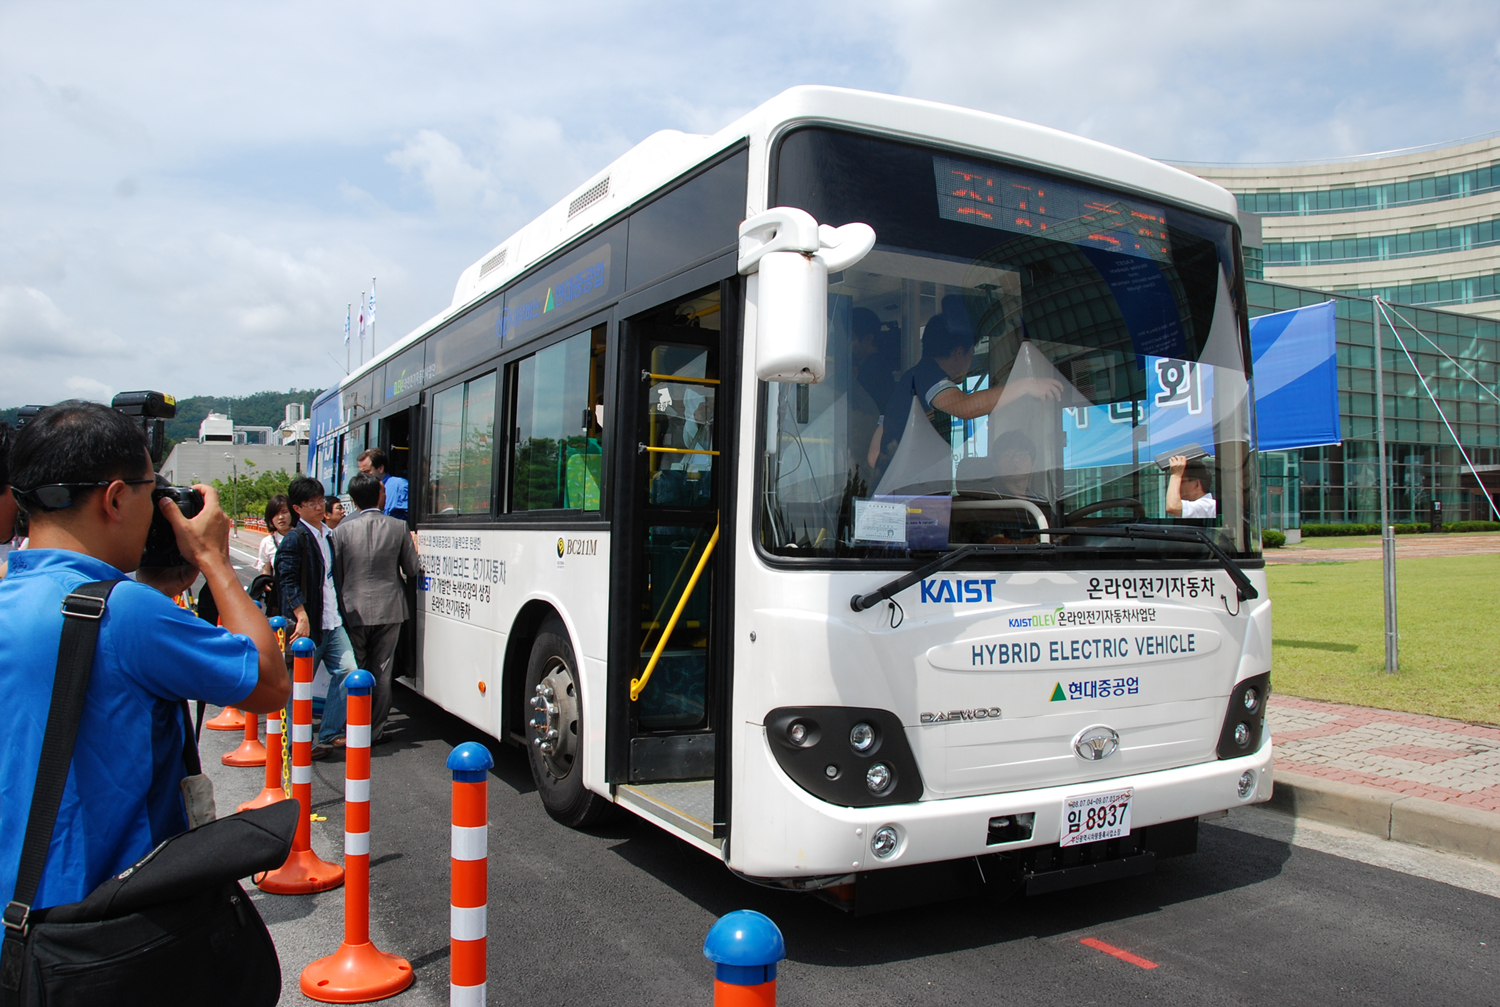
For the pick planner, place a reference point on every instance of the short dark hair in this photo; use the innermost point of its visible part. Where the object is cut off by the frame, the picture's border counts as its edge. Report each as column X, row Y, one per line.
column 1015, row 440
column 364, row 490
column 7, row 437
column 78, row 442
column 302, row 489
column 374, row 456
column 1196, row 469
column 940, row 338
column 274, row 506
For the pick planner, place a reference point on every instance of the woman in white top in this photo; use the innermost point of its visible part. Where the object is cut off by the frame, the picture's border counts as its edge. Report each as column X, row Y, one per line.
column 278, row 523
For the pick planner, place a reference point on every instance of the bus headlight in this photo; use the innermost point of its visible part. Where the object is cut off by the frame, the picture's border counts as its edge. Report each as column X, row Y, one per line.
column 1247, row 784
column 875, row 767
column 1244, row 727
column 884, row 842
column 862, row 737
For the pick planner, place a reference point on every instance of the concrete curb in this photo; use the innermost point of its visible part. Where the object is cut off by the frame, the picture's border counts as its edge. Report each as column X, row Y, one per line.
column 1416, row 820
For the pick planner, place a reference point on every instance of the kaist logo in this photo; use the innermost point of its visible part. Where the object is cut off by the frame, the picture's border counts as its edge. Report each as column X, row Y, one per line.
column 578, row 547
column 955, row 590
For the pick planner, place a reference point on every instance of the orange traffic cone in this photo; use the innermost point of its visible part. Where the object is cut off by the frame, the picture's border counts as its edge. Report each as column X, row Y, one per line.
column 229, row 719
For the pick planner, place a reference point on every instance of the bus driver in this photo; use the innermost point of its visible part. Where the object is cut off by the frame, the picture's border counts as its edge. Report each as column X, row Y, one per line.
column 947, row 356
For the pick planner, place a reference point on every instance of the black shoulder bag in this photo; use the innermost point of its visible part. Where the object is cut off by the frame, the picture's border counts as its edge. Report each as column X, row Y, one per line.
column 163, row 931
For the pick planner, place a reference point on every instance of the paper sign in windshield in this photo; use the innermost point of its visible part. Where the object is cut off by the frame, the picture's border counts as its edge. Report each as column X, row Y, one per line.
column 1056, row 651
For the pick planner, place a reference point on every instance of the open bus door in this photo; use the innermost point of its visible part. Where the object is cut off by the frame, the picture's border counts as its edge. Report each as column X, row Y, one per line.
column 402, row 452
column 669, row 684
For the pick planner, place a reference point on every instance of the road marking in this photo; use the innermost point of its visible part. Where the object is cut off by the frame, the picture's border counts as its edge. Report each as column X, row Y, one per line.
column 1120, row 953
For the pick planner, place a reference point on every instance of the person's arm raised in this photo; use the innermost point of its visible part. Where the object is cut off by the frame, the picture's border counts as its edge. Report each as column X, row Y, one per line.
column 204, row 540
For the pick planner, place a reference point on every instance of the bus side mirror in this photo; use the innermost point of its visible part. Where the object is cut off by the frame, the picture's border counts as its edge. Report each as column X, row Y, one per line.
column 788, row 258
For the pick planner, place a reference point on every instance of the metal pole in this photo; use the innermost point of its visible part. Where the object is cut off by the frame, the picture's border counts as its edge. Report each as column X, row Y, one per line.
column 1387, row 531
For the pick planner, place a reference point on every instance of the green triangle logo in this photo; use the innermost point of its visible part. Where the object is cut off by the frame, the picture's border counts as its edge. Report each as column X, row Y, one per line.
column 549, row 301
column 1057, row 694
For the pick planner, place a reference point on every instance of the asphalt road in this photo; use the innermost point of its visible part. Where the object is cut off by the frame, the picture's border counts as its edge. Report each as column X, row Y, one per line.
column 617, row 915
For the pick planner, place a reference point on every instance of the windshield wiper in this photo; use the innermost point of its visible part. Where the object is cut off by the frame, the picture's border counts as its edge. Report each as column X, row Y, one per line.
column 1243, row 588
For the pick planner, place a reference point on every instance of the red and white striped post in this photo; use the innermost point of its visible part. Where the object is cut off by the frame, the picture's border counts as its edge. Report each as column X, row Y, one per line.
column 358, row 971
column 304, row 871
column 468, row 927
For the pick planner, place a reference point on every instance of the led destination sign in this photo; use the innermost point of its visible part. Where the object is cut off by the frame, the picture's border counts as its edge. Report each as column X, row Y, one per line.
column 1027, row 204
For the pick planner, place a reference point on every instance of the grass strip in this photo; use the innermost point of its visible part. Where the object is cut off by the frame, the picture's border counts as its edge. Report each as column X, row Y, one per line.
column 1328, row 635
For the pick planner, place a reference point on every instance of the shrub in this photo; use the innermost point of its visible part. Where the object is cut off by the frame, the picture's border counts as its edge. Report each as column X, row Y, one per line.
column 1314, row 530
column 1270, row 538
column 1462, row 526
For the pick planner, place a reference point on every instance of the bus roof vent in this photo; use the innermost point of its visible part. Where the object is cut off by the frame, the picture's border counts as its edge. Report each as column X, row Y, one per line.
column 493, row 263
column 590, row 196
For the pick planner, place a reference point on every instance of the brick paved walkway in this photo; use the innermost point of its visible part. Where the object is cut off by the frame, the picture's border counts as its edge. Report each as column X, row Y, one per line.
column 1443, row 760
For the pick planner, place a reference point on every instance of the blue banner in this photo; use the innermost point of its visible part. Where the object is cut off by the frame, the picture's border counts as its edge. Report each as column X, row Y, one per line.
column 1296, row 378
column 1176, row 414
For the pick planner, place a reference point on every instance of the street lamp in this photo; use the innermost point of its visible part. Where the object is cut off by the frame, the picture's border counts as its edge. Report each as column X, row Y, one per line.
column 235, row 494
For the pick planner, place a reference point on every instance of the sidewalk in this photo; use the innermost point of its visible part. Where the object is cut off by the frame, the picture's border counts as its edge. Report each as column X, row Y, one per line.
column 1399, row 776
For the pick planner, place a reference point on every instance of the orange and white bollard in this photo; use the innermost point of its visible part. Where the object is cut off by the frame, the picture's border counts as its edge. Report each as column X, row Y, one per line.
column 358, row 971
column 304, row 871
column 744, row 946
column 251, row 752
column 468, row 928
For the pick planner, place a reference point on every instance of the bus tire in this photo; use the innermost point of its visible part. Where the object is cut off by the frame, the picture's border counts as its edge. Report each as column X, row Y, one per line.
column 554, row 730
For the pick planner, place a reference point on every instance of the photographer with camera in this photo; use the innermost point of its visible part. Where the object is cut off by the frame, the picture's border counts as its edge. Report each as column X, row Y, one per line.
column 83, row 474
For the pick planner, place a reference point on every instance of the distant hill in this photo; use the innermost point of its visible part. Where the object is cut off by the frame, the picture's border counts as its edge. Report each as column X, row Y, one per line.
column 262, row 409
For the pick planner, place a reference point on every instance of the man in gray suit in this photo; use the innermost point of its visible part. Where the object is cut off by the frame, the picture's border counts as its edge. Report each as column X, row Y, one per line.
column 374, row 553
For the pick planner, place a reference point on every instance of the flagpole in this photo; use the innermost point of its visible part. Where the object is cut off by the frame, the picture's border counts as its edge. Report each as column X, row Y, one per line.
column 1387, row 533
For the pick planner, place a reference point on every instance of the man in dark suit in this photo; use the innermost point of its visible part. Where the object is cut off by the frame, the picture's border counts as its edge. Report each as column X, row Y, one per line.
column 309, row 580
column 372, row 555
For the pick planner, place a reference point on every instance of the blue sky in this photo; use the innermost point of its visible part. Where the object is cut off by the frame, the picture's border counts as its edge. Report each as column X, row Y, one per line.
column 191, row 193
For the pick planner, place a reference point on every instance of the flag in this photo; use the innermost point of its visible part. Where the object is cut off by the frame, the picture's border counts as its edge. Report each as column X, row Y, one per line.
column 1295, row 356
column 372, row 313
column 361, row 321
column 348, row 310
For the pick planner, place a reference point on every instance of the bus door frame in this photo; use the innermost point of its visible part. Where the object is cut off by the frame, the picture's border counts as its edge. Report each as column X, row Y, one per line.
column 625, row 551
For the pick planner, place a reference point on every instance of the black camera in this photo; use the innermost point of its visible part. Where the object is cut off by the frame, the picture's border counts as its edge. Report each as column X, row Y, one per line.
column 154, row 409
column 161, row 540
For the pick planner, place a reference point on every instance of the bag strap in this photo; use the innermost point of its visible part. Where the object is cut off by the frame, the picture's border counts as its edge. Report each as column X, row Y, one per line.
column 190, row 743
column 83, row 611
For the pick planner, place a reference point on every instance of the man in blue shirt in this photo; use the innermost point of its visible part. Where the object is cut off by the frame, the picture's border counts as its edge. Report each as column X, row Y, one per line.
column 82, row 472
column 372, row 463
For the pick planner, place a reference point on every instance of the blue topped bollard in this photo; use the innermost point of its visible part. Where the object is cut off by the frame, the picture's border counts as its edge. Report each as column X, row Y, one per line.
column 744, row 946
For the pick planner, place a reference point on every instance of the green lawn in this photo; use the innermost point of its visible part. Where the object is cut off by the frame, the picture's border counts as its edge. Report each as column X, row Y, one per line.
column 1328, row 638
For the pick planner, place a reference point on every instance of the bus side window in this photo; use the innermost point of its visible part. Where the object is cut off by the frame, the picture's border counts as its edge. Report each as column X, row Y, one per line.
column 461, row 479
column 559, row 397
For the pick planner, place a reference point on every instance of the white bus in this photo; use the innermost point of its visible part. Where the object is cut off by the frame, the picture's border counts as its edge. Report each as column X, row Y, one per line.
column 853, row 559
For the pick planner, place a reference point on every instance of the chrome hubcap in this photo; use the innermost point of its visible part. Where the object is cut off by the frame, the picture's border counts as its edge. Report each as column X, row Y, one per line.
column 554, row 719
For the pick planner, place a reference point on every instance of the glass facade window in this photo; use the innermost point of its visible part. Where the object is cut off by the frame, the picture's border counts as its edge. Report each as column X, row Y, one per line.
column 461, row 477
column 1255, row 262
column 1432, row 189
column 1338, row 484
column 1384, row 246
column 1435, row 293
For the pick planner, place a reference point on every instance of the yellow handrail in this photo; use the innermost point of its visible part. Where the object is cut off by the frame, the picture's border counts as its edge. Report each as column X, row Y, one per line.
column 679, row 379
column 677, row 451
column 638, row 685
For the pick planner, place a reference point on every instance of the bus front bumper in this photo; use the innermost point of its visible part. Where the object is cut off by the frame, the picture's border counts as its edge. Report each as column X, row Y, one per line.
column 786, row 833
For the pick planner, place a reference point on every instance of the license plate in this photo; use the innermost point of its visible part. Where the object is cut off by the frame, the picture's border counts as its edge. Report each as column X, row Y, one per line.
column 1096, row 816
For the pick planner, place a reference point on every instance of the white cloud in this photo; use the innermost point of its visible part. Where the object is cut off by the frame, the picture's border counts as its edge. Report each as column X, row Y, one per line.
column 209, row 185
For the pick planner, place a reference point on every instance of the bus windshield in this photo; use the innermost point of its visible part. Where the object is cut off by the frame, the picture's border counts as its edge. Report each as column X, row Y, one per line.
column 1021, row 351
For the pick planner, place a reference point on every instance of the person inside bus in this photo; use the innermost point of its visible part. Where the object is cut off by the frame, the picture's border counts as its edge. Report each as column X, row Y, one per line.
column 947, row 356
column 1188, row 489
column 876, row 350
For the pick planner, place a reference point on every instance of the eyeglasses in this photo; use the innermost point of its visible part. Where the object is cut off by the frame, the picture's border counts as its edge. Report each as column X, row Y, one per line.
column 56, row 496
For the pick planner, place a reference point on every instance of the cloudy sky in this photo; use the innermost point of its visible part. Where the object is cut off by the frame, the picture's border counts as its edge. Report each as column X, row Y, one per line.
column 191, row 193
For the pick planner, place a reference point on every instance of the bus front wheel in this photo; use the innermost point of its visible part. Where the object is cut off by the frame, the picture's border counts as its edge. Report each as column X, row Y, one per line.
column 555, row 729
